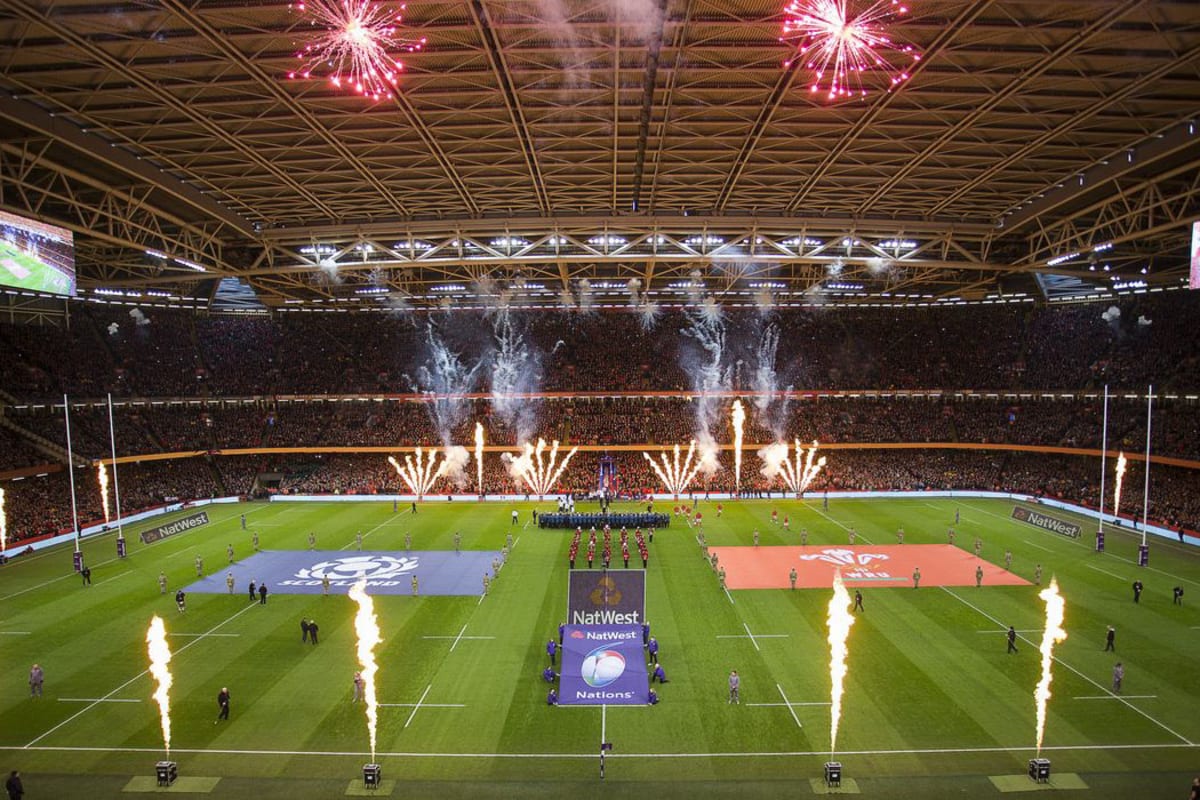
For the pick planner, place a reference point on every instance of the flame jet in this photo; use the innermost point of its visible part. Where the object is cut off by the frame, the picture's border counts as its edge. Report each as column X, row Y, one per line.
column 840, row 619
column 1054, row 633
column 366, row 626
column 102, row 475
column 160, row 658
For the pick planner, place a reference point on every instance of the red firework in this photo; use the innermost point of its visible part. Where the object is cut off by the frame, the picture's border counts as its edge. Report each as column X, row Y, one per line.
column 838, row 44
column 355, row 45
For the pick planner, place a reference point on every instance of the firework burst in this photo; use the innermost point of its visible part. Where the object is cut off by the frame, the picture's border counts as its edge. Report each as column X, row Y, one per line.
column 420, row 475
column 676, row 477
column 739, row 423
column 355, row 45
column 479, row 456
column 798, row 475
column 537, row 471
column 840, row 40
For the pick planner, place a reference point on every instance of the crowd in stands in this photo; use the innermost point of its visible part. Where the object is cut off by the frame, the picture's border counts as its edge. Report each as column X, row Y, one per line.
column 17, row 453
column 154, row 352
column 376, row 422
column 186, row 383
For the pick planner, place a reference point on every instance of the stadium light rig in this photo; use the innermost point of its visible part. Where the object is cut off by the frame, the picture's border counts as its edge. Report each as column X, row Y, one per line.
column 839, row 45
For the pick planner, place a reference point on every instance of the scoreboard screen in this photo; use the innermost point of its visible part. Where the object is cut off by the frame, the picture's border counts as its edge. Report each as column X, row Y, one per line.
column 1194, row 281
column 35, row 256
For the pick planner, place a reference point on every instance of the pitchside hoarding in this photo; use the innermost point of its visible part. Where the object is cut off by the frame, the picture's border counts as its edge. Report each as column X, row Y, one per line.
column 606, row 597
column 1046, row 522
column 178, row 526
column 603, row 665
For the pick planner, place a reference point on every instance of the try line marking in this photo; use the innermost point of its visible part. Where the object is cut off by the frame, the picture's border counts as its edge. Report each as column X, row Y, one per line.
column 144, row 672
column 1023, row 749
column 1116, row 697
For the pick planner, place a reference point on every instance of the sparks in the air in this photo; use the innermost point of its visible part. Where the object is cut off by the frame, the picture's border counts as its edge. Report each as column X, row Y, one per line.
column 739, row 424
column 160, row 657
column 3, row 525
column 366, row 626
column 838, row 44
column 102, row 475
column 840, row 619
column 479, row 456
column 1120, row 480
column 419, row 474
column 1054, row 633
column 538, row 471
column 798, row 475
column 356, row 45
column 676, row 477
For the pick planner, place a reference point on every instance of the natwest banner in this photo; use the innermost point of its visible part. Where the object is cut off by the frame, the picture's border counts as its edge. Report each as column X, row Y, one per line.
column 606, row 597
column 178, row 526
column 1046, row 522
column 603, row 665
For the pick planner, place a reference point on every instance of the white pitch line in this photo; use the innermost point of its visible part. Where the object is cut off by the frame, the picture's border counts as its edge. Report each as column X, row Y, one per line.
column 368, row 533
column 781, row 705
column 1169, row 575
column 1072, row 669
column 752, row 639
column 207, row 635
column 423, row 705
column 417, row 707
column 758, row 635
column 114, row 577
column 1038, row 546
column 1019, row 630
column 458, row 638
column 843, row 526
column 16, row 633
column 727, row 594
column 1023, row 749
column 1118, row 697
column 603, row 724
column 97, row 700
column 144, row 672
column 1106, row 572
column 791, row 710
column 464, row 638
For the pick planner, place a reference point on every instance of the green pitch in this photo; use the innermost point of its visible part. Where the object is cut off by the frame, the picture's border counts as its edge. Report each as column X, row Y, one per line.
column 934, row 707
column 23, row 271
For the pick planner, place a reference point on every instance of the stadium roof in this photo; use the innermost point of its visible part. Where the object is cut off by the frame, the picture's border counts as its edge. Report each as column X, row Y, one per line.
column 540, row 149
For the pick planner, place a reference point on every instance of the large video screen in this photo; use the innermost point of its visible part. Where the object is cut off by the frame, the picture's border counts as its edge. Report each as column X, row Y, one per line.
column 1194, row 283
column 35, row 256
